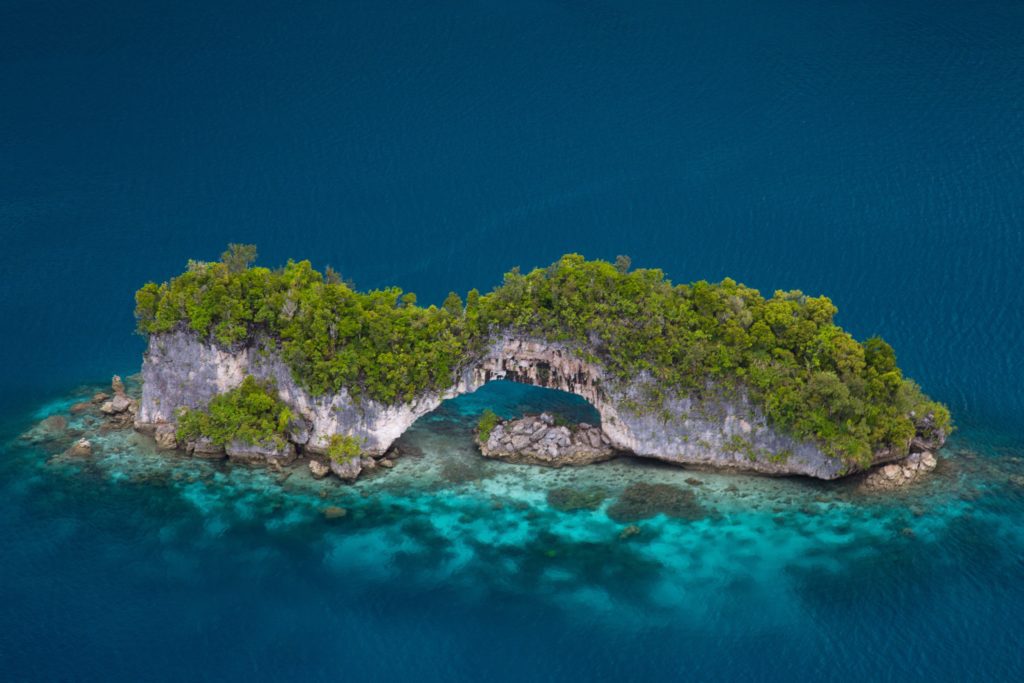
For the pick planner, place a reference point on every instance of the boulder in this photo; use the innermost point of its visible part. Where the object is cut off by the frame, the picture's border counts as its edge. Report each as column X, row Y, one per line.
column 119, row 404
column 81, row 448
column 319, row 469
column 898, row 474
column 205, row 449
column 165, row 437
column 100, row 397
column 348, row 470
column 117, row 386
column 537, row 440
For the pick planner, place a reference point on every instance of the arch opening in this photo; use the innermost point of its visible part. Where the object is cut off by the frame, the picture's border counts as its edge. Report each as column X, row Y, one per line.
column 509, row 399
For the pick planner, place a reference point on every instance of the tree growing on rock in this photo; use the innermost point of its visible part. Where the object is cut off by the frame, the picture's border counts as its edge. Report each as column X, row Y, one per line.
column 238, row 257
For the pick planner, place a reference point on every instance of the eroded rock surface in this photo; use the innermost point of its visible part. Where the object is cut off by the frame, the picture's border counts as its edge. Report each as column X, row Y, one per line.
column 318, row 468
column 165, row 437
column 898, row 474
column 281, row 453
column 538, row 440
column 349, row 470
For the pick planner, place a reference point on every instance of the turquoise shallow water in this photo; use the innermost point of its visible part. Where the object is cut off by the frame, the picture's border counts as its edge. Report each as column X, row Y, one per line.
column 866, row 150
column 453, row 566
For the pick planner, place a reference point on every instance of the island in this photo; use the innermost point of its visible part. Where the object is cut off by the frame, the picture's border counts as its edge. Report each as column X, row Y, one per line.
column 267, row 366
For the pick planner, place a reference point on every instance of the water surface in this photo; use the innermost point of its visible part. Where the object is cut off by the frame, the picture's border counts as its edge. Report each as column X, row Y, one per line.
column 870, row 151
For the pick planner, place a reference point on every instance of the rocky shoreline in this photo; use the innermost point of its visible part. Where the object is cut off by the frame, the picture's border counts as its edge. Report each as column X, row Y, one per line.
column 542, row 440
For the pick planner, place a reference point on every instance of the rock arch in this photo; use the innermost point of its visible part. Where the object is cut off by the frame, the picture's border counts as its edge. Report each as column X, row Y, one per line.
column 181, row 370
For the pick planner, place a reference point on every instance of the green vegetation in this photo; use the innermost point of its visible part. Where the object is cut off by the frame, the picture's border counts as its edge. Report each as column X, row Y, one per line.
column 251, row 413
column 488, row 421
column 343, row 447
column 812, row 379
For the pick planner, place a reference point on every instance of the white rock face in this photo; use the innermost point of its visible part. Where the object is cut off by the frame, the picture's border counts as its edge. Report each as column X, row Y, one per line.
column 180, row 370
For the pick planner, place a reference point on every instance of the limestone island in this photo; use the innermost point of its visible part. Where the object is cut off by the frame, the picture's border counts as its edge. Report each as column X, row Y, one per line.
column 269, row 366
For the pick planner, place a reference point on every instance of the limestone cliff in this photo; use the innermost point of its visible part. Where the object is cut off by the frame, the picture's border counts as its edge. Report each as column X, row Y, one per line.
column 179, row 369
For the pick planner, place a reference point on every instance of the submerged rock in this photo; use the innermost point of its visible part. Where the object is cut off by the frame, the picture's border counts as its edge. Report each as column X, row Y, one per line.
column 568, row 499
column 642, row 500
column 334, row 512
column 629, row 532
column 901, row 473
column 81, row 407
column 52, row 428
column 538, row 440
column 81, row 448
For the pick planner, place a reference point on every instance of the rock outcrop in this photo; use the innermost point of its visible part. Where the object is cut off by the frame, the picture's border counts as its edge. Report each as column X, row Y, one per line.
column 205, row 448
column 121, row 409
column 347, row 470
column 731, row 432
column 260, row 453
column 165, row 437
column 538, row 440
column 898, row 474
column 318, row 468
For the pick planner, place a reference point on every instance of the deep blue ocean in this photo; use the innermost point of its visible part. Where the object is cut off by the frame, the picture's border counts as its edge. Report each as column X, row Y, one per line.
column 870, row 150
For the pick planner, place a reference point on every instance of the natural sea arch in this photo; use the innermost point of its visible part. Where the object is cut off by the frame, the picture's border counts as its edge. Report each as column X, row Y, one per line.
column 181, row 370
column 510, row 400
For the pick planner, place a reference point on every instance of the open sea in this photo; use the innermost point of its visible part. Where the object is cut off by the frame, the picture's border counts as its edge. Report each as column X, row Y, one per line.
column 869, row 150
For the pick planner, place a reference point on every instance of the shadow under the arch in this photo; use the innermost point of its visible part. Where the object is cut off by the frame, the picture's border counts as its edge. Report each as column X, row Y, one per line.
column 509, row 400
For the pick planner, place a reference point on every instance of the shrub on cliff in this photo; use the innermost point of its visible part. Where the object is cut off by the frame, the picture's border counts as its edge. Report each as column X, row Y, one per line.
column 488, row 421
column 343, row 447
column 811, row 377
column 251, row 413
